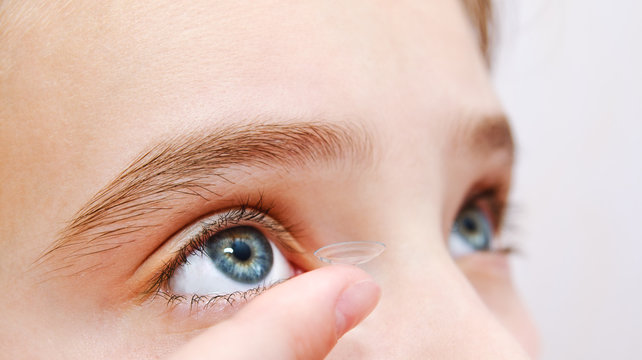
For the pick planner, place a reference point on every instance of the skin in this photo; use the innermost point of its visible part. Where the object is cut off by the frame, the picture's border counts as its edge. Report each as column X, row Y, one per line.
column 86, row 88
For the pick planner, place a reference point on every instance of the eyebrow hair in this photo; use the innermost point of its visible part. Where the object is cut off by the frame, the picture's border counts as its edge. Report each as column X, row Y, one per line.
column 492, row 134
column 185, row 165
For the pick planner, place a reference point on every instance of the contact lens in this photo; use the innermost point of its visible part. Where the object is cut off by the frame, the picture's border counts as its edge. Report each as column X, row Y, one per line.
column 350, row 252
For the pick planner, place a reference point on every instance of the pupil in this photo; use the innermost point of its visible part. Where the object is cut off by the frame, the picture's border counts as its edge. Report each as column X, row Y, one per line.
column 469, row 224
column 241, row 250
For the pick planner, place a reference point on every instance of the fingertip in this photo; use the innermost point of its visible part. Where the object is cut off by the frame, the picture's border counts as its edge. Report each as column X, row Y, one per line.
column 355, row 303
column 346, row 273
column 300, row 318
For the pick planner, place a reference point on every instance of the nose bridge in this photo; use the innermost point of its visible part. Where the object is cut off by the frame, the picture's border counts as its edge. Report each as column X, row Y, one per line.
column 428, row 309
column 413, row 309
column 427, row 306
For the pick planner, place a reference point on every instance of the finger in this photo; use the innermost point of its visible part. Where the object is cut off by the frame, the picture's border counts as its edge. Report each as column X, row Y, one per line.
column 301, row 318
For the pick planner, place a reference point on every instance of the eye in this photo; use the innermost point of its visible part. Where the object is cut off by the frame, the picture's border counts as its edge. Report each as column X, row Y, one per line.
column 471, row 232
column 235, row 259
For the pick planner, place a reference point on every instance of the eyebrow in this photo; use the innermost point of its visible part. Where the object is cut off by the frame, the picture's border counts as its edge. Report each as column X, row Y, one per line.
column 187, row 164
column 490, row 136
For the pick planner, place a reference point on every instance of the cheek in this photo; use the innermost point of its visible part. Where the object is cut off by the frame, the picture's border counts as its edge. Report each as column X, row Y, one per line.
column 489, row 275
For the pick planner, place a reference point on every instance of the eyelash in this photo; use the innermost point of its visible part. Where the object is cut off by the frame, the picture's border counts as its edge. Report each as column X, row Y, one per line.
column 255, row 213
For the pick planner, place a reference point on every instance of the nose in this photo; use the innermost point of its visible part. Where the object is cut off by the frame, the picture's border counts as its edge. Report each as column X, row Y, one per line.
column 428, row 310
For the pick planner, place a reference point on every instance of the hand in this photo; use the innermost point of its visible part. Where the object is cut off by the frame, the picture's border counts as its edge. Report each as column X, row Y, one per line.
column 301, row 318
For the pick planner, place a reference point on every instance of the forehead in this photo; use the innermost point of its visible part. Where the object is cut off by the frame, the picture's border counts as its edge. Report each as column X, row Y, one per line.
column 311, row 55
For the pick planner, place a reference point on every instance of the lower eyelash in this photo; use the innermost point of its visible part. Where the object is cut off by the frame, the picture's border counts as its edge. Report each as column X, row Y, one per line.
column 506, row 250
column 203, row 302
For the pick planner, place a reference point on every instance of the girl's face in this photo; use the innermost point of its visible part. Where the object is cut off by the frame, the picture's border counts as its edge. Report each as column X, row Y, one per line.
column 134, row 134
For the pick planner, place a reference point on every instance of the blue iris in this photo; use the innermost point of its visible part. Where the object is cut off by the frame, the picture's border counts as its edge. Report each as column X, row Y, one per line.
column 242, row 253
column 474, row 228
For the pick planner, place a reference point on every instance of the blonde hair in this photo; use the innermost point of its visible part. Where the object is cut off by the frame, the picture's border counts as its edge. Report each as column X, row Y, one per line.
column 481, row 16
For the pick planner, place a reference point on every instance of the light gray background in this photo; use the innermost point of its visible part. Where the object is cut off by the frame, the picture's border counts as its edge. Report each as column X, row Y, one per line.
column 570, row 75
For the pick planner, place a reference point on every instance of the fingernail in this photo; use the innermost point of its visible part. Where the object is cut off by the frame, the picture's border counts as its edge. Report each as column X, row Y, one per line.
column 355, row 303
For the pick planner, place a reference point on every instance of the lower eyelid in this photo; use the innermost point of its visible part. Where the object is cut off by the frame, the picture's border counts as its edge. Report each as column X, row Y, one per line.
column 487, row 263
column 205, row 302
column 191, row 313
column 187, row 314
